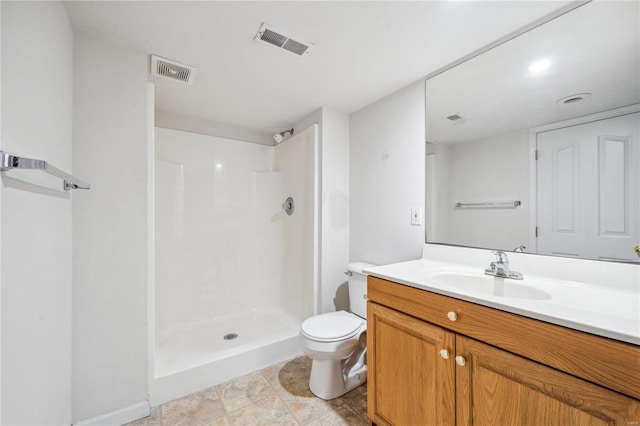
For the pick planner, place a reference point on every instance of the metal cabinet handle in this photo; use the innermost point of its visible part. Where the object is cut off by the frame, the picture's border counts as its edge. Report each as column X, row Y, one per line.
column 460, row 360
column 637, row 250
column 444, row 353
column 452, row 316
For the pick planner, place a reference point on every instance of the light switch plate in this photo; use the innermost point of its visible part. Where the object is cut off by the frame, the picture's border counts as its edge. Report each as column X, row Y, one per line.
column 416, row 216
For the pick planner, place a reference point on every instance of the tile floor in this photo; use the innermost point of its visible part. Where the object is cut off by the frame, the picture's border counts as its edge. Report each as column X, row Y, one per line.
column 276, row 395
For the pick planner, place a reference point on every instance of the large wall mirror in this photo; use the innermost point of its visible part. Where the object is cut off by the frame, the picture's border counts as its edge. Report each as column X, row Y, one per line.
column 534, row 144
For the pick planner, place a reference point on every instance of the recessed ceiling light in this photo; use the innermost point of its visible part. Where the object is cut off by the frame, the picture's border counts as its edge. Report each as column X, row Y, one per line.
column 539, row 66
column 573, row 98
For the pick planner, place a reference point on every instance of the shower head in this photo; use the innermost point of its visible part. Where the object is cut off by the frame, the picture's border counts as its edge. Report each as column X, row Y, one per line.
column 279, row 137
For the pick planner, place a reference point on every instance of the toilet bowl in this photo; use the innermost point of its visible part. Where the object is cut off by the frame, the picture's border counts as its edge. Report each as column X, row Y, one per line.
column 336, row 342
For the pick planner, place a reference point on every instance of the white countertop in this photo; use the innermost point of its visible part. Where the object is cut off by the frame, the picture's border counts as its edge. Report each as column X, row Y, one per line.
column 605, row 310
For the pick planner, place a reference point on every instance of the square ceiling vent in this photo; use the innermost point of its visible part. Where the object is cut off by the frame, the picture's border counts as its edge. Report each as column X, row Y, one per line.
column 269, row 35
column 172, row 70
column 455, row 119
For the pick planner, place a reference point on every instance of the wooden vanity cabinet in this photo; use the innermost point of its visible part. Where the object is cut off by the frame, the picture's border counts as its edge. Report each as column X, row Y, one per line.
column 436, row 371
column 412, row 383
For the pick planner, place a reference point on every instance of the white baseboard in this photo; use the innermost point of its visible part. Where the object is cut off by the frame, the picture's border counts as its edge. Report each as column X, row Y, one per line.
column 119, row 417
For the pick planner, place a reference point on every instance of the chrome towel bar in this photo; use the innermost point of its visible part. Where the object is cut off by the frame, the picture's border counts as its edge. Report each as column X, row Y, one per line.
column 489, row 205
column 9, row 162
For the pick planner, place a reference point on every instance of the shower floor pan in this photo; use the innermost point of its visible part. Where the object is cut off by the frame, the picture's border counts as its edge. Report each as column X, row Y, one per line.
column 197, row 356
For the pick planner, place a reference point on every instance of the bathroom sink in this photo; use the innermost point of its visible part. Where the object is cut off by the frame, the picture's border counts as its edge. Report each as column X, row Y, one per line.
column 488, row 285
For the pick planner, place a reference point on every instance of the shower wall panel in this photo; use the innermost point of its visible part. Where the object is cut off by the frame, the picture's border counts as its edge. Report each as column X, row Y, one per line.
column 229, row 261
column 216, row 245
column 295, row 160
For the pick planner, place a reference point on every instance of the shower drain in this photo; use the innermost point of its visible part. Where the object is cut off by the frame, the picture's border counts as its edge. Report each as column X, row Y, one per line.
column 230, row 336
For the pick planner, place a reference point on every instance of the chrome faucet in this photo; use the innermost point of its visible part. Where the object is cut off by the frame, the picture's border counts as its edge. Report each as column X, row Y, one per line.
column 500, row 267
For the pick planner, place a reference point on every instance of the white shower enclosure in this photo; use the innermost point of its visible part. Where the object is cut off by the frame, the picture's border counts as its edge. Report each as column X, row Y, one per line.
column 235, row 275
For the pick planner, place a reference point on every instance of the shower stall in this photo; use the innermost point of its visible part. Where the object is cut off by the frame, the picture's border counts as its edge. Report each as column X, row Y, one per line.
column 235, row 274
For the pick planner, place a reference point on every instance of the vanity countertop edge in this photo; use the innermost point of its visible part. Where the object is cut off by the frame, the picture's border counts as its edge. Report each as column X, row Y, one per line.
column 602, row 324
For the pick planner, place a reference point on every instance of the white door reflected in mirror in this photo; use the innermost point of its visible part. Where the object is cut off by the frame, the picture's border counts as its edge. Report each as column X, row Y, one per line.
column 588, row 190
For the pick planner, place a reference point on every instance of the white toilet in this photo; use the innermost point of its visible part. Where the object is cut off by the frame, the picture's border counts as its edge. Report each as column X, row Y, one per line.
column 336, row 341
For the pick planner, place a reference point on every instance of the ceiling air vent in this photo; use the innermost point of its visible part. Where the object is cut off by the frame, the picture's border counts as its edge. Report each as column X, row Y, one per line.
column 455, row 118
column 573, row 98
column 274, row 37
column 172, row 70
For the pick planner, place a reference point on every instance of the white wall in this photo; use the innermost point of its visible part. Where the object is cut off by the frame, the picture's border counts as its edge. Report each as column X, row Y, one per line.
column 1, row 192
column 335, row 209
column 295, row 162
column 490, row 170
column 333, row 162
column 110, row 229
column 223, row 242
column 437, row 198
column 37, row 65
column 215, row 202
column 387, row 158
column 171, row 120
column 334, row 214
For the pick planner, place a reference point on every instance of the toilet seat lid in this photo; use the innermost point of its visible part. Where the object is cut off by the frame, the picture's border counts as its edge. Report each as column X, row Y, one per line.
column 331, row 326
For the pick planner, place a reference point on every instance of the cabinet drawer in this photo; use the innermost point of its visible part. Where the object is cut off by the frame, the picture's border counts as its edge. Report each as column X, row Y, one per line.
column 609, row 363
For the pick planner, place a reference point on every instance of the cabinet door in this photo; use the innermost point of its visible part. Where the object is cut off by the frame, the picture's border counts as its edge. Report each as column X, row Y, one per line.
column 495, row 387
column 410, row 382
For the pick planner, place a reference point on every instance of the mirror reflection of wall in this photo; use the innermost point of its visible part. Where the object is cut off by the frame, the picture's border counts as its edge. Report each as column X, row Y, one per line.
column 493, row 169
column 486, row 117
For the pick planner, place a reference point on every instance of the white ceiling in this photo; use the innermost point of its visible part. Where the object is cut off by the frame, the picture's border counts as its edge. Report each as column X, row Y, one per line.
column 363, row 50
column 496, row 93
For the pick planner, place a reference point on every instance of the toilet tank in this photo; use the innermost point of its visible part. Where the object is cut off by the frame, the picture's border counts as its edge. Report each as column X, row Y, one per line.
column 358, row 288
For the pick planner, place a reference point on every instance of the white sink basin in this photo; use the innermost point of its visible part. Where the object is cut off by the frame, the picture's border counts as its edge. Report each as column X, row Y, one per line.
column 601, row 298
column 487, row 284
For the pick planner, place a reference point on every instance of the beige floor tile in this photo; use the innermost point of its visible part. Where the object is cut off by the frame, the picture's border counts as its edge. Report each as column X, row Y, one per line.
column 340, row 416
column 305, row 406
column 357, row 400
column 269, row 411
column 291, row 382
column 362, row 389
column 290, row 377
column 244, row 390
column 276, row 395
column 197, row 409
column 306, row 360
column 220, row 422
